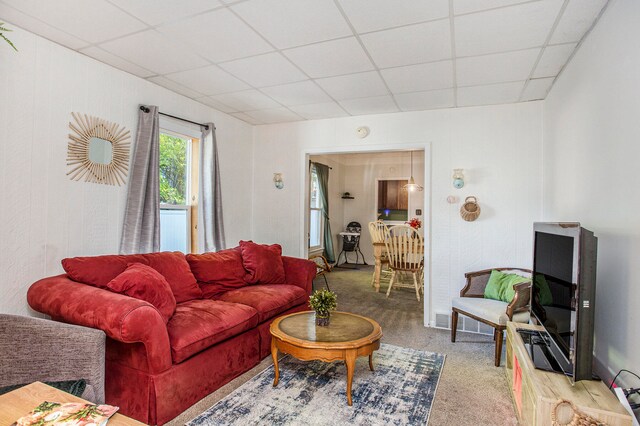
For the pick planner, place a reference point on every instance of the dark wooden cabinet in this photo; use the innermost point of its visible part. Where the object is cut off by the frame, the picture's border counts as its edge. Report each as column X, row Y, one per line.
column 392, row 196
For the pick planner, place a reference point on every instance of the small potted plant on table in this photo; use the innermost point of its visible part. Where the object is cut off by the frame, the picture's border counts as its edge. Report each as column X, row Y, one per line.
column 323, row 302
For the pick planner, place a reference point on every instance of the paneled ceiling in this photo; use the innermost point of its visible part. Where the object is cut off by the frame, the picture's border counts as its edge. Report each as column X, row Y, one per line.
column 269, row 61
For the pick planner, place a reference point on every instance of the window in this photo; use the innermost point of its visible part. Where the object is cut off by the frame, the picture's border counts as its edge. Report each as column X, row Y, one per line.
column 316, row 224
column 178, row 192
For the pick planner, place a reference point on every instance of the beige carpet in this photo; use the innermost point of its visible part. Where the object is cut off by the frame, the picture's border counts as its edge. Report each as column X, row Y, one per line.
column 471, row 391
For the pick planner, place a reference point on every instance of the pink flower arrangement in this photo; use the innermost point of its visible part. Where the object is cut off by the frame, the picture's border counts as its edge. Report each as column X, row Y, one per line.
column 415, row 223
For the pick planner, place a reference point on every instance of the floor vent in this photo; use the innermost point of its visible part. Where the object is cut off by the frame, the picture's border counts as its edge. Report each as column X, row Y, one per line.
column 464, row 324
column 442, row 320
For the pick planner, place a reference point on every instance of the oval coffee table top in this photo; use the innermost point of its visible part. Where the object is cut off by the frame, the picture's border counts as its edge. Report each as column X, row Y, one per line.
column 344, row 331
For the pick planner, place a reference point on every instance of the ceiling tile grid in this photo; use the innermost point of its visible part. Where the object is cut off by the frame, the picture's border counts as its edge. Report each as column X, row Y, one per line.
column 270, row 61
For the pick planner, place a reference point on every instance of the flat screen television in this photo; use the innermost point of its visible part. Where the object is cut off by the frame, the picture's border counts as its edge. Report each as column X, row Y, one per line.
column 563, row 295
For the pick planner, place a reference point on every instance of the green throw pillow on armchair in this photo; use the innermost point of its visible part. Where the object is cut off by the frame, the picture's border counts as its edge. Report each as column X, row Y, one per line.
column 493, row 290
column 508, row 293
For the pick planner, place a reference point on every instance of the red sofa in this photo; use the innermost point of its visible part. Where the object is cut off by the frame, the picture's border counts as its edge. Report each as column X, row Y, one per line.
column 158, row 366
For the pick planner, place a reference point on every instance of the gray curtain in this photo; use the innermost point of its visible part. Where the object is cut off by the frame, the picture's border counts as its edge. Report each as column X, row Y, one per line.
column 323, row 179
column 141, row 228
column 210, row 223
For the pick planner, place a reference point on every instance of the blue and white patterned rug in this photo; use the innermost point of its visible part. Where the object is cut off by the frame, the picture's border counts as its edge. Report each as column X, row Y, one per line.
column 399, row 392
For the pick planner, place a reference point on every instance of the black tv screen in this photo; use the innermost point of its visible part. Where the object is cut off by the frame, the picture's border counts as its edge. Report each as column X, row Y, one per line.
column 554, row 290
column 563, row 294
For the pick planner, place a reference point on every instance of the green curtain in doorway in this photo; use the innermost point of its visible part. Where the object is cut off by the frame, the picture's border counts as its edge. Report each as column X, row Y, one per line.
column 323, row 179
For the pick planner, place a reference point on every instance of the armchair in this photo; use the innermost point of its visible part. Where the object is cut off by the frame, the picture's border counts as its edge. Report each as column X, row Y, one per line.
column 494, row 313
column 35, row 349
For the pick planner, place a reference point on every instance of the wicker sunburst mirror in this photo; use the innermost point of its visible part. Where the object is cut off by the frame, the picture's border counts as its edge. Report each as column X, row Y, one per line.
column 98, row 150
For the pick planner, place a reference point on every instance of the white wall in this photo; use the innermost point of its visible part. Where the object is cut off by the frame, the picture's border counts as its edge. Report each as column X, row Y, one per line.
column 500, row 148
column 45, row 216
column 591, row 152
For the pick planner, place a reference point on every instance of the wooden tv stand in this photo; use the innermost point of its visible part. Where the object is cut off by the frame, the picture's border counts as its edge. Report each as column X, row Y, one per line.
column 536, row 392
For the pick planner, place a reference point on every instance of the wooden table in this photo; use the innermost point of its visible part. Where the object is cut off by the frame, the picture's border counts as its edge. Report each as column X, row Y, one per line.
column 347, row 337
column 378, row 249
column 20, row 402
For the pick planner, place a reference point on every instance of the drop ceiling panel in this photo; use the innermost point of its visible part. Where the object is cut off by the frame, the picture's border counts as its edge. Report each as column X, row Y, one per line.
column 509, row 28
column 501, row 67
column 331, row 58
column 468, row 6
column 265, row 70
column 432, row 99
column 218, row 36
column 361, row 85
column 578, row 17
column 247, row 100
column 489, row 95
column 537, row 88
column 217, row 105
column 372, row 15
column 319, row 111
column 553, row 59
column 417, row 78
column 90, row 20
column 150, row 50
column 301, row 93
column 294, row 23
column 209, row 80
column 275, row 115
column 155, row 12
column 175, row 87
column 374, row 105
column 412, row 44
column 36, row 26
column 116, row 61
column 247, row 118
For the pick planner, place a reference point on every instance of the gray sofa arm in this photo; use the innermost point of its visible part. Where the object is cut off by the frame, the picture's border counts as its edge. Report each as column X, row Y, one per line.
column 34, row 349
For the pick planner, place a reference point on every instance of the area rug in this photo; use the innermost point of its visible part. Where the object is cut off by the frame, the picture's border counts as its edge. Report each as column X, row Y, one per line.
column 399, row 392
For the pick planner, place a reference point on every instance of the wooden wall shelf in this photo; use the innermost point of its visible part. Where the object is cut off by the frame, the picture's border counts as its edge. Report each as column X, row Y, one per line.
column 536, row 392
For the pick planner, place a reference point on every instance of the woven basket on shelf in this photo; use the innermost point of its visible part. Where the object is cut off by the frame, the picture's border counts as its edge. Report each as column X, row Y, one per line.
column 470, row 210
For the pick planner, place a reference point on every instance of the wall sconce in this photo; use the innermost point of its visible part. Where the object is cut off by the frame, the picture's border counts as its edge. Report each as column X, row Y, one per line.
column 458, row 178
column 277, row 180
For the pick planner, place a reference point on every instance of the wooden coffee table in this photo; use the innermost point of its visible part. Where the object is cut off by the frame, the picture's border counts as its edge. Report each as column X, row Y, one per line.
column 20, row 402
column 348, row 337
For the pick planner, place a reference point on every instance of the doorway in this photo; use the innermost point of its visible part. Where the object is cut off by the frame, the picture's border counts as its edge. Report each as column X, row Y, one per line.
column 365, row 186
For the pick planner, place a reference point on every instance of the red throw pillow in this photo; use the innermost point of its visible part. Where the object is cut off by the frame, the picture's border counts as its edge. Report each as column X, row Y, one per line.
column 262, row 263
column 97, row 271
column 174, row 268
column 145, row 283
column 218, row 272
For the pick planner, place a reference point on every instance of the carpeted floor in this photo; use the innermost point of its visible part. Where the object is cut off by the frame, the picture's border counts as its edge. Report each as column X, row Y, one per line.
column 471, row 391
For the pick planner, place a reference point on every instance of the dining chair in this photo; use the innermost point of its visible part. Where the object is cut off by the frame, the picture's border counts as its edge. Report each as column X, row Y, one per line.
column 406, row 254
column 377, row 230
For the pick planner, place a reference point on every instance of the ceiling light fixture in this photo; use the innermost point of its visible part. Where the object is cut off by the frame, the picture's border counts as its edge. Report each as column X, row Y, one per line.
column 412, row 185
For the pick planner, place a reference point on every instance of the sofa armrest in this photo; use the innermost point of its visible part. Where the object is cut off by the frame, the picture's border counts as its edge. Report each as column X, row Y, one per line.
column 121, row 317
column 299, row 272
column 35, row 349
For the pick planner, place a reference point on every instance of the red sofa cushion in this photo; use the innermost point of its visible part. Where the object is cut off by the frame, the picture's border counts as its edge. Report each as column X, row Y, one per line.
column 268, row 299
column 175, row 268
column 99, row 270
column 145, row 283
column 262, row 263
column 199, row 324
column 217, row 272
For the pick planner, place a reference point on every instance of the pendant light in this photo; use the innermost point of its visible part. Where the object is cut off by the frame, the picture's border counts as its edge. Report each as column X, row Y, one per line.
column 412, row 185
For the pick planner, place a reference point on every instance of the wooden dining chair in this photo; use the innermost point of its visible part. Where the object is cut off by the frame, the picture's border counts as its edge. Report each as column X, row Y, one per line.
column 377, row 230
column 405, row 253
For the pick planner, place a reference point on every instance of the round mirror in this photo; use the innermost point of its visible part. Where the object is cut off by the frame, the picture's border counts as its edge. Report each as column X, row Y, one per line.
column 100, row 151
